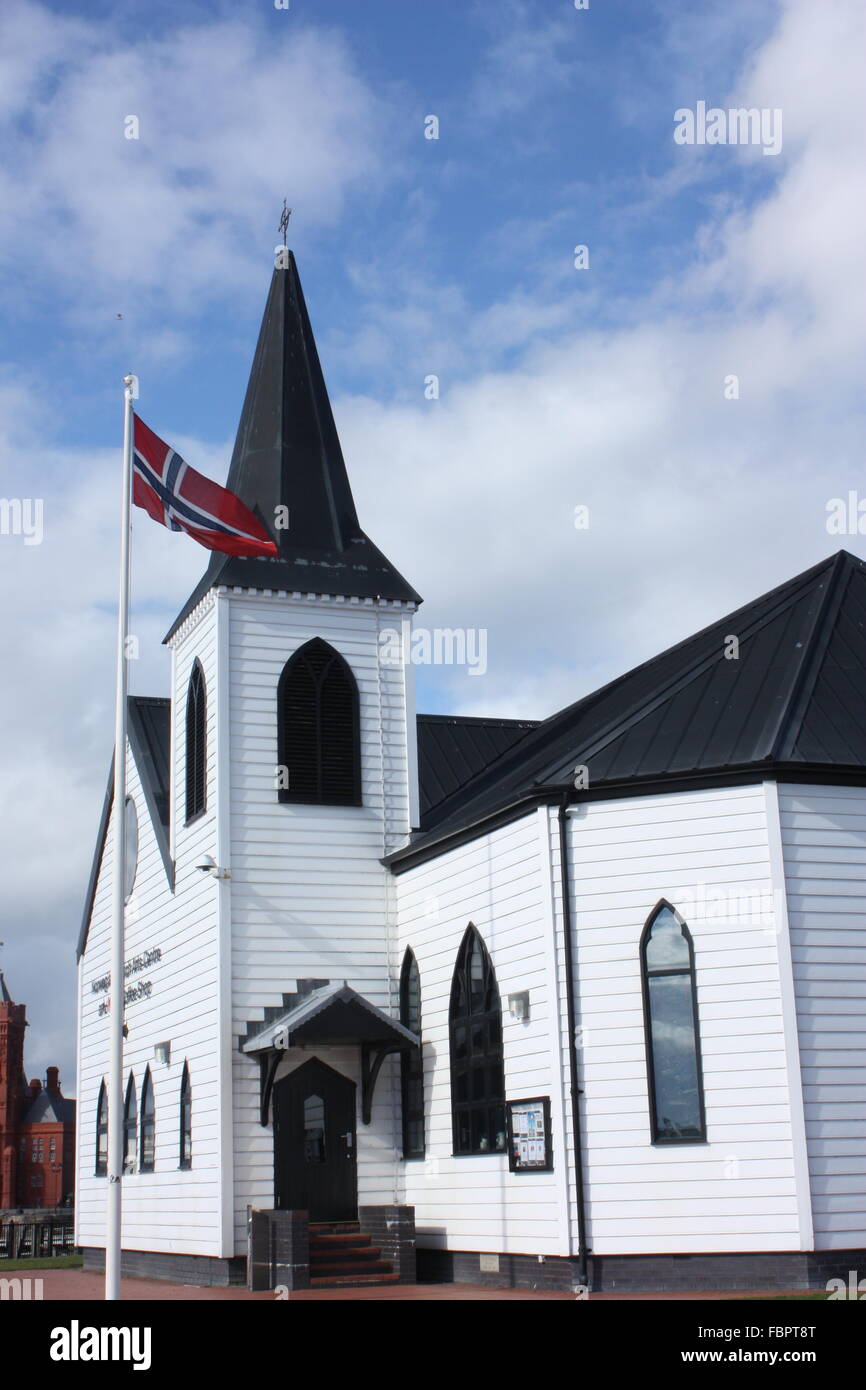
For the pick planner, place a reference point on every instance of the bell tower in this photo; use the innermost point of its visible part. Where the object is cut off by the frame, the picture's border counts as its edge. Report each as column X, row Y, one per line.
column 310, row 731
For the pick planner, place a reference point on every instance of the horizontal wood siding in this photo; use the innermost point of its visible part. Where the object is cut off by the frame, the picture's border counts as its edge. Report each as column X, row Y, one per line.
column 824, row 845
column 496, row 882
column 167, row 1210
column 309, row 896
column 706, row 852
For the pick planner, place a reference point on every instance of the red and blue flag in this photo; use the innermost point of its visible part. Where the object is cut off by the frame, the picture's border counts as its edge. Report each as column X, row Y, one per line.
column 183, row 500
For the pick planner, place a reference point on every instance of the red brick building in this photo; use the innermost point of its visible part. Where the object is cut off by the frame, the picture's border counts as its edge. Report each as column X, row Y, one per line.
column 37, row 1123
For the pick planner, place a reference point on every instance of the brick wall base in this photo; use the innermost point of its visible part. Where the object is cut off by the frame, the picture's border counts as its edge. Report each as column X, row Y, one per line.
column 207, row 1271
column 644, row 1273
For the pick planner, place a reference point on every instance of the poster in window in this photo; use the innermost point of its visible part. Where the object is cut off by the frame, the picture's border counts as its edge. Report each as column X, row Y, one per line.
column 529, row 1144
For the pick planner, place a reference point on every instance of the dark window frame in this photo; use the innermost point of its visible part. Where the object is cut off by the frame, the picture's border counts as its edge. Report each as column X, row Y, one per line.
column 481, row 1061
column 411, row 1062
column 660, row 1137
column 318, row 648
column 130, row 1127
column 101, row 1167
column 147, row 1126
column 185, row 1146
column 196, row 744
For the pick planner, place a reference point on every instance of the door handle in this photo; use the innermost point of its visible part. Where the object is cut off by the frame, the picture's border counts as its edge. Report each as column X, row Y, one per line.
column 349, row 1138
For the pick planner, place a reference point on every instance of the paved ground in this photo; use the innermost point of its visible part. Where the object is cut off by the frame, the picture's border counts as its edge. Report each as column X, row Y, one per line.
column 78, row 1285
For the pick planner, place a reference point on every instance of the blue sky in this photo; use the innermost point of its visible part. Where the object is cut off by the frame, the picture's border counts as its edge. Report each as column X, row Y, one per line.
column 559, row 387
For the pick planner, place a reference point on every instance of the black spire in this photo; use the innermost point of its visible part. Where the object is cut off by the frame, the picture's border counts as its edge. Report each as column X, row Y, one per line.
column 5, row 996
column 287, row 455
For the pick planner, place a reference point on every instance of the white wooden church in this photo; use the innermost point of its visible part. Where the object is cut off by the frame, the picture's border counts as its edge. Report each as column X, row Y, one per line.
column 368, row 1031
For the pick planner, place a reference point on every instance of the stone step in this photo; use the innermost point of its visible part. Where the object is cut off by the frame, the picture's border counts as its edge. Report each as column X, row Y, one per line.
column 339, row 1253
column 352, row 1281
column 351, row 1269
column 322, row 1242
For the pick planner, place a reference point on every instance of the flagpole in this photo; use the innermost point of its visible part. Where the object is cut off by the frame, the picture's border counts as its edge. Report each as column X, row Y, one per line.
column 115, row 1077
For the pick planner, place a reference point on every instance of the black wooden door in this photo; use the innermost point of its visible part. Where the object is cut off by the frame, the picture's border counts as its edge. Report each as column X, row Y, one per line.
column 315, row 1166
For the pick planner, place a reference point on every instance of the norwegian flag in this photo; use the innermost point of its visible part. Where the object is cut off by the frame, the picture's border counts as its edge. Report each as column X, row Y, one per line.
column 183, row 500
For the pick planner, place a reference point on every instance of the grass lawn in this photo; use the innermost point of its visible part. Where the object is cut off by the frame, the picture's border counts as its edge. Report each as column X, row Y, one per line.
column 59, row 1262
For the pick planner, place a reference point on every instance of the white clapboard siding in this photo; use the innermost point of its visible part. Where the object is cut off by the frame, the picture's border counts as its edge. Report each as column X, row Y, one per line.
column 496, row 882
column 824, row 845
column 706, row 852
column 309, row 895
column 168, row 1210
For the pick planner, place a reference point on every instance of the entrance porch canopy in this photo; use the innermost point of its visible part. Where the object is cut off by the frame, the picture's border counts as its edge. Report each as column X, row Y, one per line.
column 331, row 1016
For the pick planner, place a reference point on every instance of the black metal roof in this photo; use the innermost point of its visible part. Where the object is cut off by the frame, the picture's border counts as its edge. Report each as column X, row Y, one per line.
column 287, row 453
column 452, row 750
column 794, row 699
column 149, row 732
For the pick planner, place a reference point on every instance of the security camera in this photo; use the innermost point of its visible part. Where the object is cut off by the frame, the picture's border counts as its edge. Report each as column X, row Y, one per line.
column 207, row 865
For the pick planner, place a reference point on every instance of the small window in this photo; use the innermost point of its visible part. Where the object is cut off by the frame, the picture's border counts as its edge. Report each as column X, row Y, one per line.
column 130, row 1127
column 196, row 744
column 412, row 1062
column 314, row 1129
column 477, row 1070
column 130, row 861
column 148, row 1124
column 672, row 1037
column 101, row 1133
column 185, row 1119
column 318, row 732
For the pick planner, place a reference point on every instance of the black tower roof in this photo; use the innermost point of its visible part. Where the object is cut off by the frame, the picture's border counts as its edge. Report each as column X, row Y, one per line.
column 287, row 453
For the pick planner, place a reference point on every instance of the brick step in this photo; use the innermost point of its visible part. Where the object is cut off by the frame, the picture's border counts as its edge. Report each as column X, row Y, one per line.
column 352, row 1281
column 338, row 1242
column 349, row 1268
column 341, row 1253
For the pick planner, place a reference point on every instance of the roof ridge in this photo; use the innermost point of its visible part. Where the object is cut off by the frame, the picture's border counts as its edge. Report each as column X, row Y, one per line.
column 814, row 651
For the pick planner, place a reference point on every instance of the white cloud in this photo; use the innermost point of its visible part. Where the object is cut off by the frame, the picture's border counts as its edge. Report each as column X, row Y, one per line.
column 232, row 115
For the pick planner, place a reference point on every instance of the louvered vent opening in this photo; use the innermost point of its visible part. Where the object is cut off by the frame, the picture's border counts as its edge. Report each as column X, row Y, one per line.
column 196, row 744
column 318, row 725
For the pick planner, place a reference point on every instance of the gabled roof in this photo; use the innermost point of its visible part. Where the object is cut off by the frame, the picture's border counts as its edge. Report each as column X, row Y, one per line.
column 452, row 750
column 49, row 1107
column 792, row 702
column 148, row 730
column 334, row 1013
column 287, row 453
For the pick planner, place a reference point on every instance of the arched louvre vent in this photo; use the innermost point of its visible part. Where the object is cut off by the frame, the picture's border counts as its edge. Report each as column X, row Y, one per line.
column 196, row 744
column 319, row 737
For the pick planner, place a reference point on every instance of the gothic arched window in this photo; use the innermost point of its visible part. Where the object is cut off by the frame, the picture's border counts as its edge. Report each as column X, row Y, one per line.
column 185, row 1119
column 318, row 738
column 130, row 1127
column 411, row 1062
column 477, row 1073
column 148, row 1124
column 101, row 1133
column 196, row 744
column 671, row 1020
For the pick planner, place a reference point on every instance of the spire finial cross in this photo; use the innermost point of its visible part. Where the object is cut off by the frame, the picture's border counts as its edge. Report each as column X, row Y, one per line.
column 284, row 222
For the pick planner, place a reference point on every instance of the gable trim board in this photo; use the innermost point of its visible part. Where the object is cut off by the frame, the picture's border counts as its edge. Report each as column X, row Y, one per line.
column 145, row 749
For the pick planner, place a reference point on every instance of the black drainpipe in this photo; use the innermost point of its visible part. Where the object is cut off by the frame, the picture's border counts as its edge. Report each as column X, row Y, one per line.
column 576, row 1092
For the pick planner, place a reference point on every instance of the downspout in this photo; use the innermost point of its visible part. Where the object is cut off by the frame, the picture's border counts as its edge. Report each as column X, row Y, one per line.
column 580, row 1193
